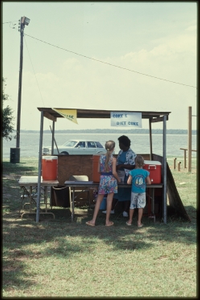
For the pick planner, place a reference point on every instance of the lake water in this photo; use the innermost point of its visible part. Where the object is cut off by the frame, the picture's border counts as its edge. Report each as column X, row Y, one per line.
column 29, row 142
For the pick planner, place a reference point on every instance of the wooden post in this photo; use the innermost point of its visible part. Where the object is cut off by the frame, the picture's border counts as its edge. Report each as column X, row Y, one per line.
column 175, row 163
column 185, row 154
column 189, row 138
column 179, row 166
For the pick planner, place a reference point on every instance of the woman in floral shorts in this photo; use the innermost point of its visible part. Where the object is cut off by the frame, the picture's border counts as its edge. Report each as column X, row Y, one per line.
column 107, row 184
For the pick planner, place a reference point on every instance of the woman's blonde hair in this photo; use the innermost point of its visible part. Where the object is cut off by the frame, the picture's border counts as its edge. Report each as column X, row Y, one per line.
column 109, row 145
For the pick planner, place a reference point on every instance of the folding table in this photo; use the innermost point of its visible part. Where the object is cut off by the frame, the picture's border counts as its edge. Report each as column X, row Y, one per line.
column 27, row 183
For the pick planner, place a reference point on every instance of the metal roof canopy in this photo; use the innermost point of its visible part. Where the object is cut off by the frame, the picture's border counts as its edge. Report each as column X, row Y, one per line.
column 105, row 114
column 102, row 114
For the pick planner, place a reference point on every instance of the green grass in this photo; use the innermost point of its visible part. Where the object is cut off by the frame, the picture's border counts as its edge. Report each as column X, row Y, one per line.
column 60, row 258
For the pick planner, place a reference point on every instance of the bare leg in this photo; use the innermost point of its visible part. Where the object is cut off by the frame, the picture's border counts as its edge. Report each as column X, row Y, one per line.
column 96, row 209
column 131, row 212
column 140, row 214
column 108, row 208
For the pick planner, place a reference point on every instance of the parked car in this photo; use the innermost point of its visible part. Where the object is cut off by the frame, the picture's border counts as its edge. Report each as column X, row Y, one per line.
column 79, row 147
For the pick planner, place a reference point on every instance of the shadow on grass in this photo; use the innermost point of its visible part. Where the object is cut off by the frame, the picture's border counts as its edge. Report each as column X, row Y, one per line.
column 25, row 241
column 66, row 238
column 21, row 169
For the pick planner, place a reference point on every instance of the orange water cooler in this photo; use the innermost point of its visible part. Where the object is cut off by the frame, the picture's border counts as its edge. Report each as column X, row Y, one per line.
column 49, row 167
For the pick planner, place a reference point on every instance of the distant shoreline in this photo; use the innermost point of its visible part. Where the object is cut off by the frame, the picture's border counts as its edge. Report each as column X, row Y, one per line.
column 118, row 131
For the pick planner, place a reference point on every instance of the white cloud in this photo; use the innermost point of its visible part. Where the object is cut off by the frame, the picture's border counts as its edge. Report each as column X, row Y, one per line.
column 89, row 84
column 63, row 79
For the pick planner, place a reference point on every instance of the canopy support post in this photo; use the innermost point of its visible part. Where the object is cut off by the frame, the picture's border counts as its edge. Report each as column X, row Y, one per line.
column 39, row 168
column 52, row 138
column 164, row 170
column 150, row 138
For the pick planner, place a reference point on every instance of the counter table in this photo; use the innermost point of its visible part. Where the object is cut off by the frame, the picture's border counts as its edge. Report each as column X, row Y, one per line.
column 86, row 185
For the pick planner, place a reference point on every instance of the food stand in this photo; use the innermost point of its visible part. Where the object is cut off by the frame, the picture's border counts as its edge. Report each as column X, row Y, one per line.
column 153, row 117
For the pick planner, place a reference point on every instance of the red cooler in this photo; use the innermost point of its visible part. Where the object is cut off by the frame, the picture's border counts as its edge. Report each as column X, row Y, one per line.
column 49, row 167
column 154, row 167
column 95, row 173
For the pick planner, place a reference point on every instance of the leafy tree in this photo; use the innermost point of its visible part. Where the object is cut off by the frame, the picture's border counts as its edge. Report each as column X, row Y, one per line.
column 7, row 117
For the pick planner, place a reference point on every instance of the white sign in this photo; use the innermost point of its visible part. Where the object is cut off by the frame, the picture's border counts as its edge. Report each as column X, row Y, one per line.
column 126, row 119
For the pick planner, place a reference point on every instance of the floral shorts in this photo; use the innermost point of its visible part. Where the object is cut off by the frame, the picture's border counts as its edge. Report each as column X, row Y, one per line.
column 138, row 200
column 107, row 184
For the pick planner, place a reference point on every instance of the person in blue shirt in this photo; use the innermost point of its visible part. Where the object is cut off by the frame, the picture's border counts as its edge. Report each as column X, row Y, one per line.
column 138, row 178
column 125, row 163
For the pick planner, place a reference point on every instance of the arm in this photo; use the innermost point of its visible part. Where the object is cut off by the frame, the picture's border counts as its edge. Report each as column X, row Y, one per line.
column 129, row 181
column 130, row 161
column 114, row 162
column 148, row 180
column 123, row 166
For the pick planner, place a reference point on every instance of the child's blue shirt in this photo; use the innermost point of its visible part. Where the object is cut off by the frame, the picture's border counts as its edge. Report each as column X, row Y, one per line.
column 139, row 180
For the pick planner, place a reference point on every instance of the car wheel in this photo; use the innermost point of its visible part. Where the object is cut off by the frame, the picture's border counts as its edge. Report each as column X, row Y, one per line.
column 64, row 153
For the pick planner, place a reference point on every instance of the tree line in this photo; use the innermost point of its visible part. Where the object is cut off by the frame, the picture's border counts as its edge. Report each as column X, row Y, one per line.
column 7, row 115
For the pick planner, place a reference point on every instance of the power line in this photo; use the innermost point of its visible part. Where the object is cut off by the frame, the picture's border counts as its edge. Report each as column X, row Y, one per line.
column 34, row 73
column 11, row 22
column 104, row 62
column 35, row 77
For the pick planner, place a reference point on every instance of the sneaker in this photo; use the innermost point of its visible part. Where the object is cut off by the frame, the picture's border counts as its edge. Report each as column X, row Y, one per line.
column 111, row 212
column 125, row 214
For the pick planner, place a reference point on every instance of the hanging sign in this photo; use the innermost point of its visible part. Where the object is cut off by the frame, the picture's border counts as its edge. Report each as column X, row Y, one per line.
column 126, row 119
column 70, row 114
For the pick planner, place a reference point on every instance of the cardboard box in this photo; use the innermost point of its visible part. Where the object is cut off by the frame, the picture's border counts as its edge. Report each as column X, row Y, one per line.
column 95, row 173
column 154, row 167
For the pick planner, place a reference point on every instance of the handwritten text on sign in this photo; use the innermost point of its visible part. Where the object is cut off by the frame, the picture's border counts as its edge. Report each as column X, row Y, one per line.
column 70, row 114
column 126, row 119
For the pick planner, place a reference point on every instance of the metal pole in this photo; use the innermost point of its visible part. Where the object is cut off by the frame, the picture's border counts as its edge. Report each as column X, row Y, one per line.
column 189, row 138
column 164, row 172
column 52, row 138
column 150, row 138
column 20, row 83
column 39, row 168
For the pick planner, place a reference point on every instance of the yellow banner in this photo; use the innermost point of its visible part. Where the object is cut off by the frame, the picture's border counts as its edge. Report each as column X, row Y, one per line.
column 70, row 114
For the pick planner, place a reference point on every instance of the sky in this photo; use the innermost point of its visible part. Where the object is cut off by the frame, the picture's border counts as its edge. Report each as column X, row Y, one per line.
column 139, row 56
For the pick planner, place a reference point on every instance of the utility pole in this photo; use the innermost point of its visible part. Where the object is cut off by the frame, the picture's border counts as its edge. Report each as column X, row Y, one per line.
column 15, row 152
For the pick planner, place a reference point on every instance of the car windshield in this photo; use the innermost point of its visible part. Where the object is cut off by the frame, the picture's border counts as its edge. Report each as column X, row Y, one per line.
column 99, row 145
column 70, row 144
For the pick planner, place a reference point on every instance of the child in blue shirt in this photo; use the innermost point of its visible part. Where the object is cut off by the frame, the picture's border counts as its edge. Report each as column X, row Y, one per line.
column 138, row 177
